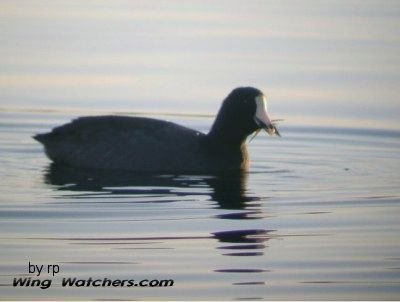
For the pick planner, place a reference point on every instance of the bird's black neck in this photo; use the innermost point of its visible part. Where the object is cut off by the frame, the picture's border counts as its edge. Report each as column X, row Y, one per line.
column 227, row 137
column 228, row 131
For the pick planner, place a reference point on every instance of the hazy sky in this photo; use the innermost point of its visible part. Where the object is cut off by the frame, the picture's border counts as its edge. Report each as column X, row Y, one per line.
column 317, row 58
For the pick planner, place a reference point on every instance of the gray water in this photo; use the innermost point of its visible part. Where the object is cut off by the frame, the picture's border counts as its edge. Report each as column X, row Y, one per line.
column 316, row 216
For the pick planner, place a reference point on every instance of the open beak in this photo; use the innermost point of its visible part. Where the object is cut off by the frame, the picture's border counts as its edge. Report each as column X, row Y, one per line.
column 270, row 128
column 262, row 119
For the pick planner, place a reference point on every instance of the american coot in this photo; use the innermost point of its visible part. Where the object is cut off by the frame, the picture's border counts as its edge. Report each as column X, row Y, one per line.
column 151, row 145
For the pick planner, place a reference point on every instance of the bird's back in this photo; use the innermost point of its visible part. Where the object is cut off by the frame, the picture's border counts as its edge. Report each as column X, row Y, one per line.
column 131, row 143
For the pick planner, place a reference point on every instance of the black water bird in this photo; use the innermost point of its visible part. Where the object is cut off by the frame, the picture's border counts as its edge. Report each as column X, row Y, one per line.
column 152, row 145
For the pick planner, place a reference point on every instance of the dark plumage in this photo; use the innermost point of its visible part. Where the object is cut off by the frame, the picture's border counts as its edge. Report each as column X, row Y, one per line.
column 151, row 145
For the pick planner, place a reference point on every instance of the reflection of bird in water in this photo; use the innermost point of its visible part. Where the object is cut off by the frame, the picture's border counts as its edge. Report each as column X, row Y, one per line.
column 151, row 145
column 227, row 189
column 249, row 242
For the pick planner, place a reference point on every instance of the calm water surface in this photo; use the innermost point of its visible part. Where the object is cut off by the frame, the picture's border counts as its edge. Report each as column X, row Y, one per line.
column 316, row 217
